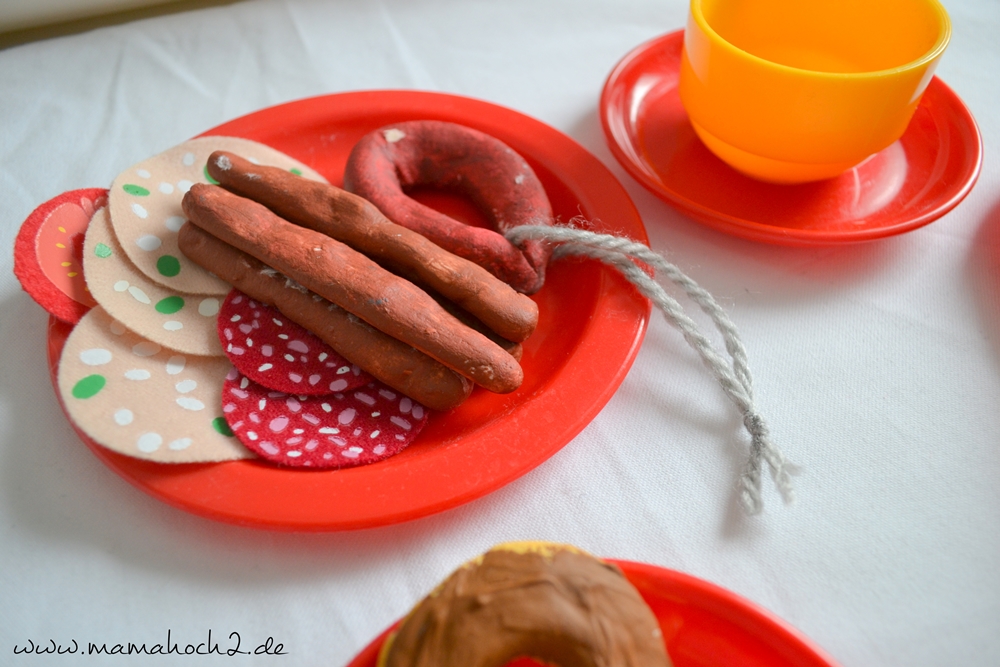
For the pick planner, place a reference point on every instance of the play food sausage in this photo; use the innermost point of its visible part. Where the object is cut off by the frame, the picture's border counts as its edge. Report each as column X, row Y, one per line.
column 352, row 281
column 391, row 361
column 390, row 160
column 356, row 222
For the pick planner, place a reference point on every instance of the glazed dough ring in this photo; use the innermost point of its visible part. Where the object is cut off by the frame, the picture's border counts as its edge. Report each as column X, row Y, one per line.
column 550, row 602
column 145, row 205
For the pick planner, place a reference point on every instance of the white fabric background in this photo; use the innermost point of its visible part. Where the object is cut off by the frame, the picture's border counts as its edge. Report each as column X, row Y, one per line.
column 877, row 365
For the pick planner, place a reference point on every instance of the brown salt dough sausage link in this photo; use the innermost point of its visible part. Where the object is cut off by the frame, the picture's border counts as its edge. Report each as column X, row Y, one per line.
column 513, row 349
column 355, row 283
column 358, row 223
column 393, row 362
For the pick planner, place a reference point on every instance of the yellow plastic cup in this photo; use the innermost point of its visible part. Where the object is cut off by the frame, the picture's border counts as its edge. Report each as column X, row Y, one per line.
column 790, row 91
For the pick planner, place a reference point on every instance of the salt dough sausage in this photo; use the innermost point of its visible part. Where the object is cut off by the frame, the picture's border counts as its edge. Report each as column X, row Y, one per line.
column 356, row 222
column 391, row 361
column 515, row 350
column 355, row 283
column 394, row 158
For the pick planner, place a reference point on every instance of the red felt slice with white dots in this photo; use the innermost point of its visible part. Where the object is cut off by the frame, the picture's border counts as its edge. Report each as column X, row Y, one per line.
column 339, row 430
column 279, row 354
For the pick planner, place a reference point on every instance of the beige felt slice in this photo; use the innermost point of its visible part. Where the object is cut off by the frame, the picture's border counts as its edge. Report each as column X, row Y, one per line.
column 145, row 205
column 140, row 399
column 183, row 322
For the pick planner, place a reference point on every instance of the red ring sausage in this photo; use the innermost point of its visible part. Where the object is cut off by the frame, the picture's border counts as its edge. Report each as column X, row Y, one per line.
column 390, row 160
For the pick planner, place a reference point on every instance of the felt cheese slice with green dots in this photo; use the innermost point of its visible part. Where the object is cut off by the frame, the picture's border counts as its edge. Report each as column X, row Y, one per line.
column 183, row 322
column 145, row 206
column 140, row 399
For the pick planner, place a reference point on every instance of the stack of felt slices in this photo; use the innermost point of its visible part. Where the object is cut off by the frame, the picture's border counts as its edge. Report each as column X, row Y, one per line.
column 167, row 362
column 170, row 361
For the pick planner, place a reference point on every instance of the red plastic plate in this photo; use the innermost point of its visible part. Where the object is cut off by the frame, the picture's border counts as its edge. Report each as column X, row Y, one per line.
column 591, row 325
column 909, row 184
column 702, row 625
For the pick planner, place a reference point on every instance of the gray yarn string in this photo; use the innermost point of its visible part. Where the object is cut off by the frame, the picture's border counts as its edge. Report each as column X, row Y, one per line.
column 733, row 375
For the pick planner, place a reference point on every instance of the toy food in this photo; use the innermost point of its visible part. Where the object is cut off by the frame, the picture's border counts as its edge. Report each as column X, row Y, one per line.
column 144, row 372
column 550, row 602
column 357, row 223
column 160, row 261
column 352, row 281
column 340, row 430
column 395, row 158
column 48, row 253
column 384, row 357
column 141, row 399
column 145, row 203
column 183, row 322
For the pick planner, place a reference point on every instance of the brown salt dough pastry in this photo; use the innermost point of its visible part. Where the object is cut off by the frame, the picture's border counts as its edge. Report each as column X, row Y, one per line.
column 550, row 602
column 145, row 205
column 183, row 322
column 358, row 223
column 385, row 163
column 395, row 363
column 355, row 283
column 137, row 398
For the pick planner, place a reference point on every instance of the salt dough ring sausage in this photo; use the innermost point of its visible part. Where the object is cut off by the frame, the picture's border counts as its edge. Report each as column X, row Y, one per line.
column 394, row 158
column 356, row 222
column 355, row 283
column 549, row 602
column 394, row 363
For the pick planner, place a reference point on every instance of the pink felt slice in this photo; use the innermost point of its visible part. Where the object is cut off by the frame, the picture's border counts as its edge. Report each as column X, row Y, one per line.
column 48, row 253
column 277, row 353
column 340, row 430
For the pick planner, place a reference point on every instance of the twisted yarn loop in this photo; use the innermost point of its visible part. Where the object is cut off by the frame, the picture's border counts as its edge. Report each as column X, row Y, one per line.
column 733, row 373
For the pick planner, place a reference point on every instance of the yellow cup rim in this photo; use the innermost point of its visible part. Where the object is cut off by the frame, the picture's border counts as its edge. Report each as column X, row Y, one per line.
column 934, row 52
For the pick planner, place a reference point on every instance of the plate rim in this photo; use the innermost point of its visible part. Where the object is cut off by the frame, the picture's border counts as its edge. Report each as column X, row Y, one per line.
column 750, row 229
column 149, row 477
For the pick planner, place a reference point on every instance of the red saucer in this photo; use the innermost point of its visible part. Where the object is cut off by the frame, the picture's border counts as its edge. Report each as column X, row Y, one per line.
column 702, row 624
column 911, row 183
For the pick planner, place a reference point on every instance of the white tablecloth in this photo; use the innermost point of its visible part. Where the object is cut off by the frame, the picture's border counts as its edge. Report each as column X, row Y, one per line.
column 878, row 366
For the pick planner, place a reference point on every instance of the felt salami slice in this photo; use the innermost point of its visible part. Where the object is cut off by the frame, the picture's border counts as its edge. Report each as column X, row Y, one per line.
column 145, row 203
column 279, row 354
column 340, row 430
column 140, row 399
column 183, row 322
column 48, row 253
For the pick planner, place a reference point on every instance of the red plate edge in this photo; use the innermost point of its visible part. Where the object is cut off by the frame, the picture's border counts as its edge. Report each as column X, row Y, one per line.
column 749, row 630
column 198, row 488
column 614, row 130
